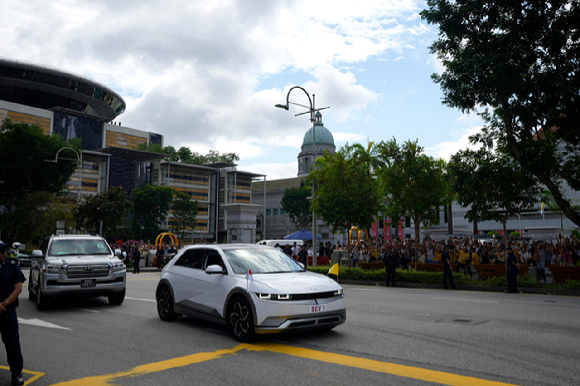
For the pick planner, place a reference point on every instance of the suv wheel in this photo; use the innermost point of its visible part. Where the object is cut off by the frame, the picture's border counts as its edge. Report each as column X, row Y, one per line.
column 41, row 299
column 116, row 298
column 165, row 304
column 240, row 319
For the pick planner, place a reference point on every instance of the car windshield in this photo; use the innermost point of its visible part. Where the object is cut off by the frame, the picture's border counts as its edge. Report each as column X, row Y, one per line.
column 260, row 260
column 78, row 248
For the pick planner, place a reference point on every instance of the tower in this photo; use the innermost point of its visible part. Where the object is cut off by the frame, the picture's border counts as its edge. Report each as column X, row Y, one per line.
column 324, row 141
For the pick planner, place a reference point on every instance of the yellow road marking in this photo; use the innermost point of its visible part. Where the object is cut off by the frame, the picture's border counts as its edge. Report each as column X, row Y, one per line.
column 321, row 356
column 35, row 374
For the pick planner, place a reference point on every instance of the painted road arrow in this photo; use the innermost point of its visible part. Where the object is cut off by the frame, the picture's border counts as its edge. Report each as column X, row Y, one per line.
column 40, row 323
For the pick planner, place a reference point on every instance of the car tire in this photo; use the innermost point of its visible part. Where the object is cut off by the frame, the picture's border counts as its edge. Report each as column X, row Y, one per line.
column 116, row 298
column 240, row 319
column 31, row 294
column 42, row 300
column 165, row 308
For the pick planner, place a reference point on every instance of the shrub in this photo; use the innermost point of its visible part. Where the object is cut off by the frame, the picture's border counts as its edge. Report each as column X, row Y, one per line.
column 515, row 234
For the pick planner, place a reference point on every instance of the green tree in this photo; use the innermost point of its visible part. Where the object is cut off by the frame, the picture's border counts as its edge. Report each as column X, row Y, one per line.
column 346, row 191
column 150, row 207
column 110, row 207
column 415, row 184
column 521, row 61
column 23, row 149
column 493, row 185
column 185, row 155
column 184, row 214
column 295, row 203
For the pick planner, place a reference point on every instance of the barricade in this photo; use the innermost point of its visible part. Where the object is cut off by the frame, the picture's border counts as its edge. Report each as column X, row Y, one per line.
column 320, row 260
column 561, row 273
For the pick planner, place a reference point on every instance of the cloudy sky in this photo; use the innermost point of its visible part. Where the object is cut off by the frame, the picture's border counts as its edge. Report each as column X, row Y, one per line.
column 207, row 74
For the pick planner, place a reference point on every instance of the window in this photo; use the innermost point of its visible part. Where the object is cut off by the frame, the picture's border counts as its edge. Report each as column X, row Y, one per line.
column 275, row 212
column 192, row 258
column 282, row 213
column 214, row 258
column 268, row 212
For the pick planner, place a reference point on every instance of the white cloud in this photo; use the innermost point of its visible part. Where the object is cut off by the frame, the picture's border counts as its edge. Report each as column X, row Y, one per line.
column 273, row 171
column 446, row 149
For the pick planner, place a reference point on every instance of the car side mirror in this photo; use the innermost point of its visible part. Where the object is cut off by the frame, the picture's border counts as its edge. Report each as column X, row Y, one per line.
column 301, row 265
column 37, row 253
column 215, row 270
column 119, row 254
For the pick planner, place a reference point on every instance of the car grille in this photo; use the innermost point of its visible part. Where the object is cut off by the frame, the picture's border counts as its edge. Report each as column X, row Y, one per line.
column 319, row 295
column 82, row 271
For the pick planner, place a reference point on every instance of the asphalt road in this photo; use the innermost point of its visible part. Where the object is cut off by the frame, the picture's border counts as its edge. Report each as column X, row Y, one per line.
column 393, row 336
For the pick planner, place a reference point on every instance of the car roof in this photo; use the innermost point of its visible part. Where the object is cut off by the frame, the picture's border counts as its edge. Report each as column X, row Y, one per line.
column 226, row 247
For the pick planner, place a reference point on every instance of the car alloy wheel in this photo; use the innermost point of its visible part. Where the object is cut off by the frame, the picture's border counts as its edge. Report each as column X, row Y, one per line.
column 31, row 294
column 165, row 304
column 240, row 319
column 41, row 299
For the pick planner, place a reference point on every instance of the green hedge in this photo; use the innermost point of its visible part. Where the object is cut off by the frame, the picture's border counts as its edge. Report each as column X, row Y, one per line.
column 408, row 276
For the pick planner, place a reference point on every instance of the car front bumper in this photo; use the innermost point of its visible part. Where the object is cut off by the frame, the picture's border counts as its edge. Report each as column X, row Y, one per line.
column 55, row 284
column 278, row 316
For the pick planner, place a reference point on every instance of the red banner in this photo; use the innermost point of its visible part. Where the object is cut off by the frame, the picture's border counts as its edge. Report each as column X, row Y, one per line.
column 387, row 229
column 401, row 230
column 374, row 230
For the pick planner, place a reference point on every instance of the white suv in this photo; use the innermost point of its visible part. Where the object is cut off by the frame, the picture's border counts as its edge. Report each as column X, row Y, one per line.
column 76, row 265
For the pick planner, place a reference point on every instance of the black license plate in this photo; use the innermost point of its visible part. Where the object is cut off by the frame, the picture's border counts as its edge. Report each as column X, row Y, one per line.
column 87, row 283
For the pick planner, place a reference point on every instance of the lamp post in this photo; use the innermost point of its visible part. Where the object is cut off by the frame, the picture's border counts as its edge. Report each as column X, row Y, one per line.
column 79, row 161
column 312, row 110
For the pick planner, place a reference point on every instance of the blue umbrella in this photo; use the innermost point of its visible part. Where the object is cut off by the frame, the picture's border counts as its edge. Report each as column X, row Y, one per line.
column 301, row 235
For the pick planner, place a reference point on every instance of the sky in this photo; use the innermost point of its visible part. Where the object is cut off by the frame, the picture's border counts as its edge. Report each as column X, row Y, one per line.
column 207, row 74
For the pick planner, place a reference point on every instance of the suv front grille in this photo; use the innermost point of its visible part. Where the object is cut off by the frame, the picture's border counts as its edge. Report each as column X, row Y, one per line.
column 83, row 271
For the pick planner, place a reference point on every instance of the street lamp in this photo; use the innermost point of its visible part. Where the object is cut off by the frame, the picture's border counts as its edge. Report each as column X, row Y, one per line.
column 79, row 161
column 312, row 110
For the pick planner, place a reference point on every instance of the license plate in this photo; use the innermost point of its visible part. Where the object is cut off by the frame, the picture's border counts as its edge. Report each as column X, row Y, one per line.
column 316, row 309
column 87, row 283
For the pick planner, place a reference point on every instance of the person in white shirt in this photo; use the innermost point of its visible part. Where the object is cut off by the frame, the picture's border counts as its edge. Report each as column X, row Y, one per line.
column 295, row 251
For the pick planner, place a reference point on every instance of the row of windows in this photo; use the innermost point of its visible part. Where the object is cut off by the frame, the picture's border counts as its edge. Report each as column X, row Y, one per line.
column 197, row 179
column 200, row 225
column 196, row 194
column 275, row 212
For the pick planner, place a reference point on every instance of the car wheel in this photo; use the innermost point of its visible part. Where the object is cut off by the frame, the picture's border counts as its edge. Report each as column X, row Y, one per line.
column 240, row 319
column 31, row 294
column 116, row 298
column 41, row 299
column 165, row 304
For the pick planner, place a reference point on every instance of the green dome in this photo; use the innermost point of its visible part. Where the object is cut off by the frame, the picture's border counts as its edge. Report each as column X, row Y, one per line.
column 323, row 135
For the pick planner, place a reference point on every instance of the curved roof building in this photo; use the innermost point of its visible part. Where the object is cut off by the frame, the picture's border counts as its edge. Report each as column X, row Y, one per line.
column 324, row 141
column 53, row 89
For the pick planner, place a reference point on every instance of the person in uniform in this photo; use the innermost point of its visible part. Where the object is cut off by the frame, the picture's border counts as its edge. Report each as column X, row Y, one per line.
column 390, row 259
column 11, row 279
column 136, row 259
column 512, row 269
column 447, row 268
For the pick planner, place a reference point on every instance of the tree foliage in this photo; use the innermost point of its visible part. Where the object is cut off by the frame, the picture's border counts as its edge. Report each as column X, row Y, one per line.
column 521, row 61
column 492, row 184
column 150, row 207
column 184, row 214
column 110, row 207
column 23, row 149
column 185, row 155
column 347, row 193
column 296, row 205
column 415, row 185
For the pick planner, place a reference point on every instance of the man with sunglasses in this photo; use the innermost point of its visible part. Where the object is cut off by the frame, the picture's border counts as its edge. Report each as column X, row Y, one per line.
column 11, row 279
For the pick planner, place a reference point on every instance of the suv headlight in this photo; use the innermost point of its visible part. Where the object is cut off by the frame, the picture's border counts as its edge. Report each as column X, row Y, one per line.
column 52, row 268
column 338, row 293
column 117, row 267
column 273, row 297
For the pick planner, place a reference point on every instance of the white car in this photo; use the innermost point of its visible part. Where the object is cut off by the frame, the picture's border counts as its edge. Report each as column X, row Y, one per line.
column 252, row 289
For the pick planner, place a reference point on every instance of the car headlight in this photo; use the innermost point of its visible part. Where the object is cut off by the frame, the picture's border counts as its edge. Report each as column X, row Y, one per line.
column 338, row 293
column 273, row 297
column 52, row 268
column 117, row 267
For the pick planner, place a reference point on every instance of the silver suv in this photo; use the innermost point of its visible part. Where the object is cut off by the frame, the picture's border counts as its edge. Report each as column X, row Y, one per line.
column 76, row 265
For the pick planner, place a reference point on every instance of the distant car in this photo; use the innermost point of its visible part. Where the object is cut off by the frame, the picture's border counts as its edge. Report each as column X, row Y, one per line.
column 24, row 259
column 76, row 265
column 252, row 289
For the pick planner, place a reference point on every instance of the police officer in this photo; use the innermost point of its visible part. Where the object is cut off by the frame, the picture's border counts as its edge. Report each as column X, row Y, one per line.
column 11, row 279
column 390, row 258
column 447, row 269
column 512, row 269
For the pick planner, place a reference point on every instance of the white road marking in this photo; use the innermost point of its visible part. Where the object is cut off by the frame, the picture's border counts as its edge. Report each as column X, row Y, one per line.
column 41, row 323
column 87, row 310
column 142, row 300
column 469, row 300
